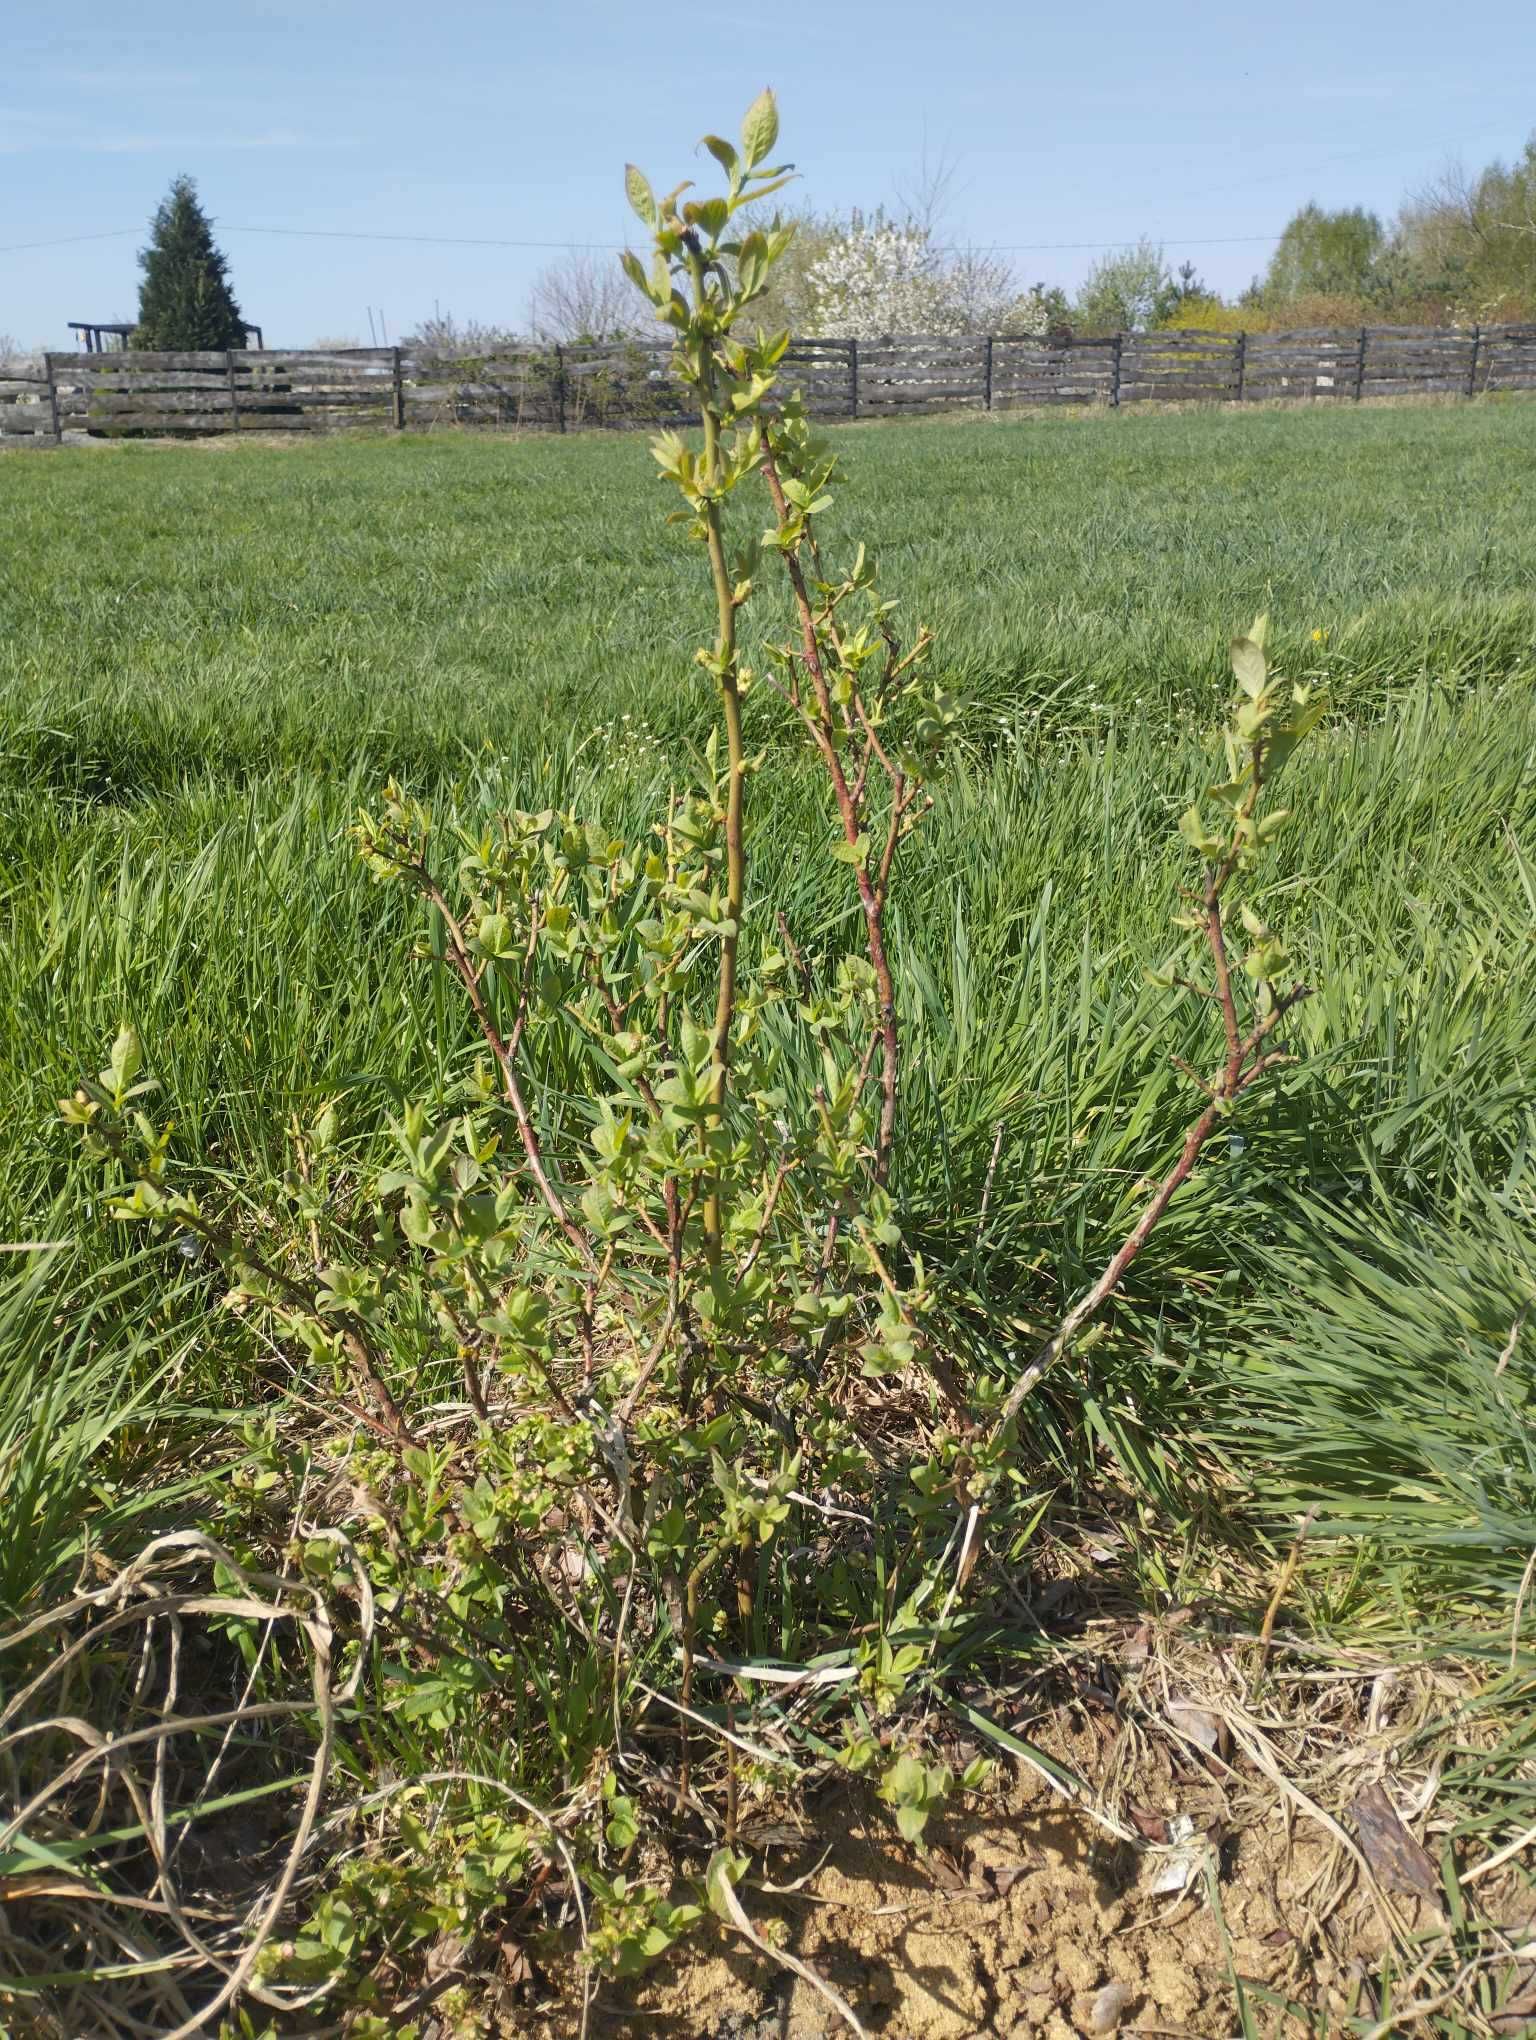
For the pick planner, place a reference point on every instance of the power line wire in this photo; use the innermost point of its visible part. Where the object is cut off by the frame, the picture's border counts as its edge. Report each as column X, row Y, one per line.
column 69, row 240
column 426, row 240
column 615, row 247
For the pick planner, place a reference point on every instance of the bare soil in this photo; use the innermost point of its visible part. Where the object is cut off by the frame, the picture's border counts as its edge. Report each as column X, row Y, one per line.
column 1019, row 1921
column 1236, row 1900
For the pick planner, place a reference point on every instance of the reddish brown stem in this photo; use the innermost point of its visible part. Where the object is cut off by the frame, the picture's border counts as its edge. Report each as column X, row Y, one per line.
column 750, row 1257
column 520, row 1017
column 848, row 811
column 511, row 1083
column 390, row 1424
column 1243, row 1066
column 1225, row 997
column 1250, row 1066
column 631, row 1398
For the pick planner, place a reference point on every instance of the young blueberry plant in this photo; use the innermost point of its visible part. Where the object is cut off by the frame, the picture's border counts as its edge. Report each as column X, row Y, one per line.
column 632, row 1380
column 626, row 1325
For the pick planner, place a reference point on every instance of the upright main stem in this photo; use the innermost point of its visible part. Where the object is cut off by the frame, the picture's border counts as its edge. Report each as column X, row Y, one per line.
column 730, row 701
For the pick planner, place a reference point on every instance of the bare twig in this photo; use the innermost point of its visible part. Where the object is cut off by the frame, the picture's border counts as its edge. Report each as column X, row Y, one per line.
column 738, row 1919
column 1283, row 1583
column 506, row 1061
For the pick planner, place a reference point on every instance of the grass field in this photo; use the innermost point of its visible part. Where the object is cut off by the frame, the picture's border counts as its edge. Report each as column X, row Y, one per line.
column 210, row 657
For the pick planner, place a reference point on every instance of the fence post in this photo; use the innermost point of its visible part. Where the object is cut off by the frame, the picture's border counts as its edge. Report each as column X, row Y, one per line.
column 1360, row 367
column 989, row 371
column 1114, row 387
column 1242, row 364
column 560, row 385
column 1477, row 341
column 53, row 397
column 229, row 374
column 853, row 378
column 399, row 393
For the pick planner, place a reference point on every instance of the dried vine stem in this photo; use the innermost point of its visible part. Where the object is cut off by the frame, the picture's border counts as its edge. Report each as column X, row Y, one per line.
column 734, row 1913
column 137, row 1597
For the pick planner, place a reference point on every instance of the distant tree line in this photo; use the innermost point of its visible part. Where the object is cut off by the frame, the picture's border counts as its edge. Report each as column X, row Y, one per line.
column 1461, row 250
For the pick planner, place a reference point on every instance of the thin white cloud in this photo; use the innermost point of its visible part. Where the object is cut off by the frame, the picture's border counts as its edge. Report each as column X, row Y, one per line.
column 24, row 134
column 1349, row 90
column 145, row 78
column 143, row 145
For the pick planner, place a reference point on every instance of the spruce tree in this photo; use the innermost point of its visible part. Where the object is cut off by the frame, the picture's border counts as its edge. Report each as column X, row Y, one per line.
column 185, row 301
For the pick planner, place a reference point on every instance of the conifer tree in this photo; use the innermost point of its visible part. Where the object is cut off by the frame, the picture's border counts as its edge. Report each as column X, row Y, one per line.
column 185, row 301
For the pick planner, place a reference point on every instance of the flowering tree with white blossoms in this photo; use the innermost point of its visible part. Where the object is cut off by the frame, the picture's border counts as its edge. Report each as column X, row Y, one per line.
column 875, row 276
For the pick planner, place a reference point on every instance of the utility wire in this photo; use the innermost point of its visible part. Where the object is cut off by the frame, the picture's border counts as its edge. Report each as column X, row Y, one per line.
column 615, row 247
column 69, row 240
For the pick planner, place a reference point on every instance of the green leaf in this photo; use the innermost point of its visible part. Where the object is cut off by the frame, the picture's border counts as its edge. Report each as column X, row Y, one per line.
column 767, row 190
column 724, row 154
column 634, row 269
column 904, row 1780
column 760, row 129
column 911, row 1820
column 709, row 213
column 126, row 1060
column 725, row 1871
column 623, row 1828
column 637, row 189
column 1250, row 665
column 1192, row 828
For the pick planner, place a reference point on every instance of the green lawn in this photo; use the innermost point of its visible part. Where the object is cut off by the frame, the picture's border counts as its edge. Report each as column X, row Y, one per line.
column 398, row 604
column 210, row 656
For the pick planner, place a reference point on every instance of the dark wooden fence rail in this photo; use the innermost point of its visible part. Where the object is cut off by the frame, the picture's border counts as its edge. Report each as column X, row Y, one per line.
column 572, row 389
column 28, row 411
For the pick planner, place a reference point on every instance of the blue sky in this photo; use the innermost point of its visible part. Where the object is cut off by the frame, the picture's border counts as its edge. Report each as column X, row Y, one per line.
column 1201, row 126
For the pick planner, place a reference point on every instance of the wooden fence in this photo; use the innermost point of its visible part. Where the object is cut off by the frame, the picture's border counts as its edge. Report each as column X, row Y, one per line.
column 570, row 389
